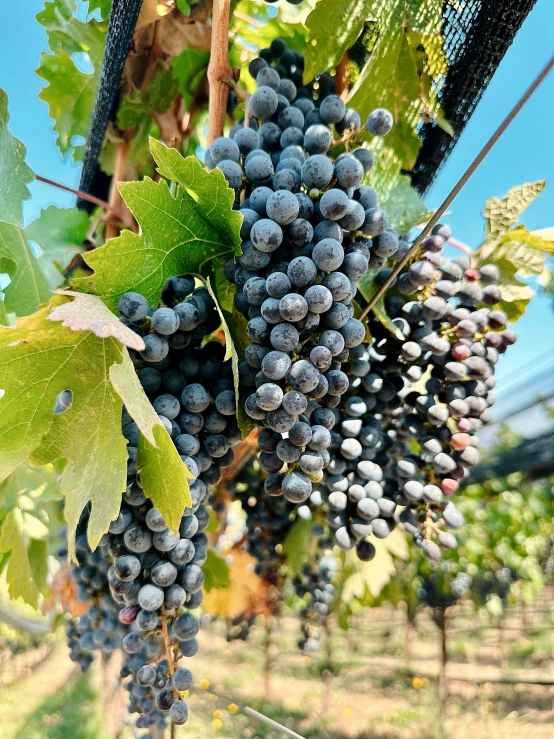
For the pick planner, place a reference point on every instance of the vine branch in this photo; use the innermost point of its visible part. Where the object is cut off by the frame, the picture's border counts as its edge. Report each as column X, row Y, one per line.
column 458, row 186
column 218, row 68
column 341, row 78
column 81, row 194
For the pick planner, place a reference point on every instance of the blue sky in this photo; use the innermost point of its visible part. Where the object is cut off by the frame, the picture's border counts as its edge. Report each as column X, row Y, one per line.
column 524, row 154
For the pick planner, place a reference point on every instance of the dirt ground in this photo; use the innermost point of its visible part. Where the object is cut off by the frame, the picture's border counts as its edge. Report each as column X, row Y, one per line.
column 373, row 689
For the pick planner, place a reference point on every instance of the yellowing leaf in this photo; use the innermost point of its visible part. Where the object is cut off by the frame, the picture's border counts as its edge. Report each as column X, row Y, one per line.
column 374, row 575
column 88, row 313
column 164, row 476
column 246, row 594
column 19, row 574
column 180, row 232
column 501, row 214
column 14, row 173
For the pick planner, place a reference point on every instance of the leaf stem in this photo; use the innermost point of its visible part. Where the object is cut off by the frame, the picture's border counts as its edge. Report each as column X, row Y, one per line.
column 459, row 185
column 81, row 194
column 218, row 68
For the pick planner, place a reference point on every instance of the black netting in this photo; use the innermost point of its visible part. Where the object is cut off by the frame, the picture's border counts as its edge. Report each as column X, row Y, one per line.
column 477, row 34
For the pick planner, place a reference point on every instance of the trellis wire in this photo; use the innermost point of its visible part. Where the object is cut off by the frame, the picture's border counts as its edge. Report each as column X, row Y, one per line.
column 477, row 35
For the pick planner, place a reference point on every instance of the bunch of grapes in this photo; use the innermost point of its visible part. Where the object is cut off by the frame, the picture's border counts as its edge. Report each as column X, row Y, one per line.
column 305, row 247
column 315, row 588
column 395, row 447
column 239, row 628
column 151, row 578
column 98, row 629
column 268, row 521
column 289, row 65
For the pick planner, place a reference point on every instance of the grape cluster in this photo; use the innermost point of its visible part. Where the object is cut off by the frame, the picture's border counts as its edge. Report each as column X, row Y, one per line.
column 306, row 219
column 315, row 588
column 98, row 629
column 239, row 627
column 395, row 447
column 191, row 388
column 436, row 592
column 268, row 521
column 289, row 65
column 150, row 578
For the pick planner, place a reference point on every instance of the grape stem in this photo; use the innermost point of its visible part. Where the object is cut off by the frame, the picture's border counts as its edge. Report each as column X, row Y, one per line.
column 80, row 194
column 240, row 92
column 218, row 68
column 458, row 186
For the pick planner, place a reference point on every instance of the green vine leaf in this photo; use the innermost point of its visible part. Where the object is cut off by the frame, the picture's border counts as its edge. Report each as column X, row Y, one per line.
column 28, row 287
column 181, row 232
column 297, row 545
column 381, row 314
column 234, row 327
column 139, row 105
column 403, row 72
column 347, row 19
column 401, row 202
column 14, row 173
column 216, row 572
column 70, row 91
column 164, row 477
column 19, row 574
column 60, row 233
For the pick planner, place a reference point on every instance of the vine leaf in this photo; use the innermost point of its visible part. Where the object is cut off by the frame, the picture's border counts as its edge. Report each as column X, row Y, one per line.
column 28, row 287
column 216, row 572
column 297, row 545
column 401, row 202
column 234, row 343
column 381, row 314
column 180, row 232
column 40, row 359
column 347, row 19
column 59, row 232
column 14, row 173
column 403, row 72
column 235, row 331
column 501, row 214
column 514, row 250
column 164, row 476
column 72, row 71
column 88, row 313
column 19, row 574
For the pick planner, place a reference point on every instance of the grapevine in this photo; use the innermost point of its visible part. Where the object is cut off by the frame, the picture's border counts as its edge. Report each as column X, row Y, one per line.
column 265, row 335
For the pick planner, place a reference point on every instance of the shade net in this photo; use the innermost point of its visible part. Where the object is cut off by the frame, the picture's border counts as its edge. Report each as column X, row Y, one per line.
column 477, row 34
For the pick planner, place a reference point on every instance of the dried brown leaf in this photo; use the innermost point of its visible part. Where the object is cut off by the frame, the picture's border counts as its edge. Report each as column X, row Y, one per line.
column 88, row 313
